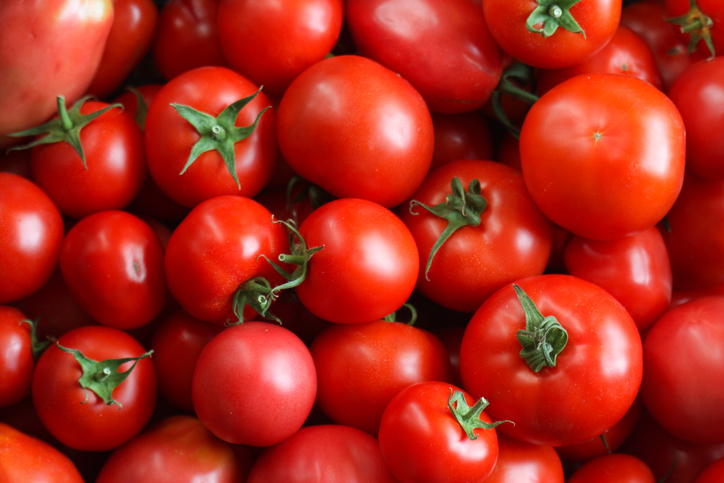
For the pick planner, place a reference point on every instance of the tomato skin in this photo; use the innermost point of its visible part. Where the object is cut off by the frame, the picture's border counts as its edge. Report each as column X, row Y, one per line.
column 422, row 441
column 367, row 268
column 360, row 368
column 93, row 425
column 442, row 38
column 170, row 137
column 622, row 468
column 356, row 129
column 254, row 384
column 507, row 18
column 601, row 364
column 512, row 241
column 179, row 448
column 635, row 269
column 573, row 162
column 68, row 37
column 109, row 259
column 25, row 459
column 323, row 453
column 520, row 462
column 684, row 389
column 31, row 235
column 16, row 356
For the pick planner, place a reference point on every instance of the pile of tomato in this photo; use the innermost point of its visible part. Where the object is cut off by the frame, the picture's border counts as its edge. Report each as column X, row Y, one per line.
column 362, row 241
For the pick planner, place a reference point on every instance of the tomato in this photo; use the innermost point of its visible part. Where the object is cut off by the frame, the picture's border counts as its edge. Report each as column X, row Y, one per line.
column 326, row 452
column 360, row 368
column 681, row 396
column 16, row 356
column 31, row 234
column 520, row 462
column 187, row 37
column 531, row 32
column 574, row 161
column 215, row 255
column 701, row 24
column 179, row 448
column 134, row 25
column 254, row 384
column 460, row 136
column 433, row 431
column 511, row 241
column 232, row 155
column 25, row 459
column 443, row 38
column 113, row 265
column 47, row 49
column 622, row 468
column 78, row 416
column 698, row 94
column 356, row 129
column 553, row 399
column 627, row 53
column 635, row 269
column 367, row 267
column 713, row 473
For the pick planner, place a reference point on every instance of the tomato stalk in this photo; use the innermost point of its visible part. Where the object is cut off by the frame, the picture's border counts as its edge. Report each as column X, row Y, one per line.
column 469, row 417
column 543, row 338
column 697, row 24
column 37, row 346
column 413, row 315
column 256, row 293
column 524, row 75
column 553, row 14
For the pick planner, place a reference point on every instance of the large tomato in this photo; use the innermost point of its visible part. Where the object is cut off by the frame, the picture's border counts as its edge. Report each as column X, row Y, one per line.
column 579, row 369
column 603, row 155
column 356, row 129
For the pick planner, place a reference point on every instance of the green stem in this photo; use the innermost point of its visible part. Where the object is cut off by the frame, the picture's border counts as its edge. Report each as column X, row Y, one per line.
column 469, row 417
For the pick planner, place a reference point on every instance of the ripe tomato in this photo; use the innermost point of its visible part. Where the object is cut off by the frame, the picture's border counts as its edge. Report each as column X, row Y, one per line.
column 433, row 431
column 574, row 396
column 621, row 468
column 609, row 174
column 356, row 129
column 254, row 384
column 31, row 235
column 16, row 356
column 77, row 416
column 520, row 462
column 443, row 38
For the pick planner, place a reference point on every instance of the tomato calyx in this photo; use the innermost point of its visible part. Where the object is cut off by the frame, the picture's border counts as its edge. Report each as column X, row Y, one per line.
column 66, row 127
column 553, row 14
column 469, row 417
column 393, row 317
column 219, row 133
column 256, row 293
column 543, row 338
column 698, row 25
column 102, row 377
column 37, row 347
column 461, row 208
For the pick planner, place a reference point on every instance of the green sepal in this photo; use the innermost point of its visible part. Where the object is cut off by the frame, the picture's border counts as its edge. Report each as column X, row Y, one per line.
column 469, row 417
column 65, row 128
column 698, row 25
column 37, row 346
column 256, row 293
column 461, row 208
column 219, row 133
column 543, row 338
column 141, row 107
column 553, row 14
column 102, row 377
column 393, row 317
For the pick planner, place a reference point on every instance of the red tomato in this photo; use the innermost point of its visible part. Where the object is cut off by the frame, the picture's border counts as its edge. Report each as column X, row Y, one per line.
column 635, row 269
column 177, row 449
column 531, row 32
column 31, row 234
column 113, row 265
column 423, row 440
column 442, row 38
column 367, row 268
column 47, row 49
column 699, row 95
column 578, row 394
column 511, row 241
column 323, row 453
column 173, row 141
column 621, row 468
column 574, row 162
column 78, row 417
column 254, row 384
column 134, row 25
column 460, row 136
column 356, row 129
column 16, row 356
column 714, row 473
column 216, row 250
column 681, row 397
column 24, row 459
column 360, row 368
column 520, row 462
